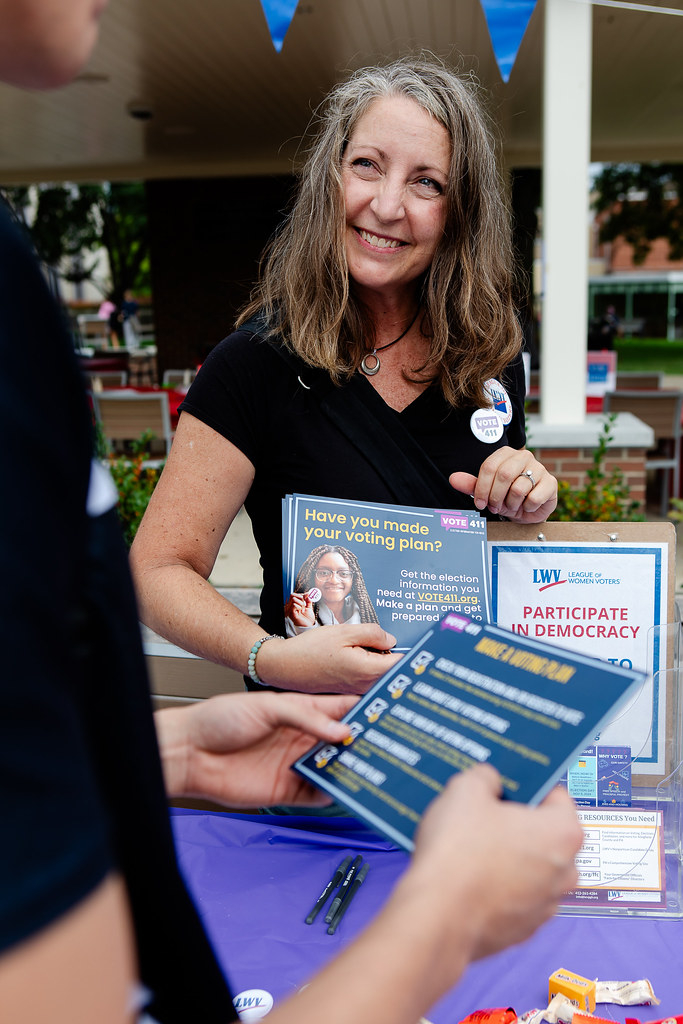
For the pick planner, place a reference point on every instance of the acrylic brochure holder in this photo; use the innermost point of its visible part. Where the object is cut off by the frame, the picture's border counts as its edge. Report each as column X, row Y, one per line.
column 669, row 802
column 562, row 581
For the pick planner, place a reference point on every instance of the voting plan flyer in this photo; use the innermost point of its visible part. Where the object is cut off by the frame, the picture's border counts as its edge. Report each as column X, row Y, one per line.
column 466, row 693
column 403, row 566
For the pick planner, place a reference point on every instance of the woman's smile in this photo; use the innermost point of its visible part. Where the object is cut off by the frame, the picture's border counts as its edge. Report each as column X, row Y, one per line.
column 379, row 242
column 394, row 176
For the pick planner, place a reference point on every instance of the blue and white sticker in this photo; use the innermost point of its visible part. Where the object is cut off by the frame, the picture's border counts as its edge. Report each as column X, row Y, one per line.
column 500, row 399
column 486, row 425
column 253, row 1003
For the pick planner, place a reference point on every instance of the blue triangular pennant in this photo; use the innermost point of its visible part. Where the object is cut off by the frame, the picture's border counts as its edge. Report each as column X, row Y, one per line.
column 507, row 21
column 279, row 14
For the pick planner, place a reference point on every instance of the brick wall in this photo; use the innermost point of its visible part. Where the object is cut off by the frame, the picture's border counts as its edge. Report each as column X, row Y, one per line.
column 572, row 464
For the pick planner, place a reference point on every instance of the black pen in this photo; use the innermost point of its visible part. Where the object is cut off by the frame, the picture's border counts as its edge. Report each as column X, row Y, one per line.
column 332, row 884
column 351, row 892
column 336, row 902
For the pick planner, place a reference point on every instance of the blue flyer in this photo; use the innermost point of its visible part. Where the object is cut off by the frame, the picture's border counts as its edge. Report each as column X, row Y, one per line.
column 601, row 777
column 582, row 782
column 467, row 692
column 398, row 565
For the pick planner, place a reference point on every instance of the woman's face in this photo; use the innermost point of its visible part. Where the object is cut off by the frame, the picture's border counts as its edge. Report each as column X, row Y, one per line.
column 394, row 176
column 333, row 586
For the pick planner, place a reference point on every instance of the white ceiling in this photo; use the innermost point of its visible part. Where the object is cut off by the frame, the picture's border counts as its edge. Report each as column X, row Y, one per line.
column 225, row 102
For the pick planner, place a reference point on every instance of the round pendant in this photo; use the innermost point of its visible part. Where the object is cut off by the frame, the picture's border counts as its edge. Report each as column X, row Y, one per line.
column 370, row 370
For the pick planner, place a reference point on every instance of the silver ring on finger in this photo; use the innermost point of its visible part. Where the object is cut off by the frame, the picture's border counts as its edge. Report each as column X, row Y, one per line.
column 530, row 476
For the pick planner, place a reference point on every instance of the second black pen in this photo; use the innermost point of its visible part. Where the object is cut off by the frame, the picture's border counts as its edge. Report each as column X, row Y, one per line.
column 325, row 894
column 336, row 902
column 350, row 893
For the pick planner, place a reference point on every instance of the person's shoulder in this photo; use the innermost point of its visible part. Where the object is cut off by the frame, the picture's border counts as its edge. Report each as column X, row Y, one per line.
column 239, row 364
column 246, row 342
column 254, row 347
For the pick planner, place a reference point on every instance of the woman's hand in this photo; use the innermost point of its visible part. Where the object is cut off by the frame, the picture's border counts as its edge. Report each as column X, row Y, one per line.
column 299, row 608
column 512, row 483
column 331, row 659
column 237, row 748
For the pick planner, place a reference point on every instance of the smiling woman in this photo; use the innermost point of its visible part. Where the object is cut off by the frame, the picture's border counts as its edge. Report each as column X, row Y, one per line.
column 384, row 311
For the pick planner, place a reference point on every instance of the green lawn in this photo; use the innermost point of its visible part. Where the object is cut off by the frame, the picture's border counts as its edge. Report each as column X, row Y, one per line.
column 644, row 354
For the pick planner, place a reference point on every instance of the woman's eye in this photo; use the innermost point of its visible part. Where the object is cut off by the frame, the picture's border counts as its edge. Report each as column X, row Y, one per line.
column 363, row 166
column 429, row 185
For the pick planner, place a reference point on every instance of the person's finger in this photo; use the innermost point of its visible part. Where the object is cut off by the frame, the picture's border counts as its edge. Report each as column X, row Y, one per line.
column 539, row 504
column 463, row 482
column 510, row 484
column 487, row 776
column 319, row 717
column 480, row 782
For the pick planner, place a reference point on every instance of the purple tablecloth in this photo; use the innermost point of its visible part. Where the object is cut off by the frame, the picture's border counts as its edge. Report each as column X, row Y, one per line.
column 254, row 880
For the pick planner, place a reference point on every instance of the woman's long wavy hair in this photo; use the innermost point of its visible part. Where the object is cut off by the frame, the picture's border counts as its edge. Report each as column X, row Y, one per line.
column 306, row 579
column 304, row 289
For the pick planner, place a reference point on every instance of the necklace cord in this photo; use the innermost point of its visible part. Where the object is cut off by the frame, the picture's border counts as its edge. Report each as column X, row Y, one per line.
column 370, row 371
column 401, row 335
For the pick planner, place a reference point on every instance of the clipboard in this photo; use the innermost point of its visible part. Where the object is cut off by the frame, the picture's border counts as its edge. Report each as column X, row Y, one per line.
column 657, row 543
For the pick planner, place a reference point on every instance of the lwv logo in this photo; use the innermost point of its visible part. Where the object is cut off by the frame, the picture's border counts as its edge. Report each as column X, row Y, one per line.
column 253, row 1004
column 547, row 577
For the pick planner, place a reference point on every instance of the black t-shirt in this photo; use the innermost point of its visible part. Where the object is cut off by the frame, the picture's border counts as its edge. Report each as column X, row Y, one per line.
column 81, row 790
column 249, row 395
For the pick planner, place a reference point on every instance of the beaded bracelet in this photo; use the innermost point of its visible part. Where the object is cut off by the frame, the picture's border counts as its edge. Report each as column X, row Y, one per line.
column 251, row 661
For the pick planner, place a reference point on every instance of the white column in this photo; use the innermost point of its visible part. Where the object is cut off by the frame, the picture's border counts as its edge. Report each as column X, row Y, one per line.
column 566, row 154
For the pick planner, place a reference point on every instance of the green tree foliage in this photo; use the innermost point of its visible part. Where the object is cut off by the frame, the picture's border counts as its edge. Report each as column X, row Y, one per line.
column 642, row 202
column 67, row 224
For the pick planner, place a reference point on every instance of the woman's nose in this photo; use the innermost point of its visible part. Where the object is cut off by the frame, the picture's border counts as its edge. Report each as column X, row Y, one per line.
column 387, row 203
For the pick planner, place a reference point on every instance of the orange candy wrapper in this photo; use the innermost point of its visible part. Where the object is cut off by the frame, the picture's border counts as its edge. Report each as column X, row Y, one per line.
column 678, row 1019
column 498, row 1015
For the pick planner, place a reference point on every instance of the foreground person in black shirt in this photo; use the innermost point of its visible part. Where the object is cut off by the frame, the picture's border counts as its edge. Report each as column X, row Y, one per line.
column 95, row 921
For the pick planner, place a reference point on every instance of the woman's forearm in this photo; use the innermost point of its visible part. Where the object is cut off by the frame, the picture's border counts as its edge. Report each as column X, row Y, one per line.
column 176, row 602
column 201, row 490
column 184, row 608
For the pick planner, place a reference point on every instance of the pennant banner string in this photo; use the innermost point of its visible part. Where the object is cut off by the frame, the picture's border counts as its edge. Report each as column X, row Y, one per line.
column 279, row 14
column 507, row 21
